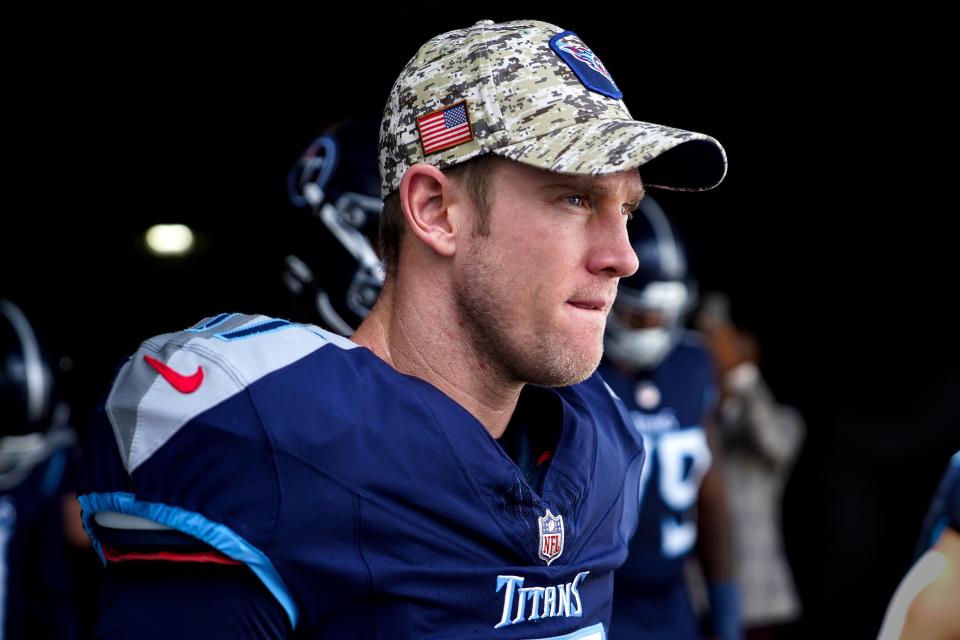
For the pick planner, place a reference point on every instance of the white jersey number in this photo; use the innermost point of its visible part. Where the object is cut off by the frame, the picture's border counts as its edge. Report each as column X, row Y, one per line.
column 683, row 458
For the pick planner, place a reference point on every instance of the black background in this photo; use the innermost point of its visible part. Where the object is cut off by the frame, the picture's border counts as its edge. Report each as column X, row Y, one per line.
column 832, row 231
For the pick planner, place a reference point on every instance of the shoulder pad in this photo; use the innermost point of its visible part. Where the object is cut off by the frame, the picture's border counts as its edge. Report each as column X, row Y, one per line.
column 174, row 377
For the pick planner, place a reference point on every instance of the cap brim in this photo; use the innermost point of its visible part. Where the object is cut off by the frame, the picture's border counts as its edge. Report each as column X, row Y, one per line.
column 667, row 158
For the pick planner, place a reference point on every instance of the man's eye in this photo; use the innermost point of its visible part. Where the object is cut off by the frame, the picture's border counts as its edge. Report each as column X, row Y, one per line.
column 577, row 201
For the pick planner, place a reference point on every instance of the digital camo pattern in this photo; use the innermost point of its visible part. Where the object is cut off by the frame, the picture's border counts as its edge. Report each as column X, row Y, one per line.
column 525, row 103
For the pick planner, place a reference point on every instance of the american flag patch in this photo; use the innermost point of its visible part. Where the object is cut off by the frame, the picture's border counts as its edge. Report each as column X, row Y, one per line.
column 445, row 128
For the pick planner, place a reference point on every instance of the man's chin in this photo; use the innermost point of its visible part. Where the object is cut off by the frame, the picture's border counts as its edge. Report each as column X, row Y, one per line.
column 569, row 367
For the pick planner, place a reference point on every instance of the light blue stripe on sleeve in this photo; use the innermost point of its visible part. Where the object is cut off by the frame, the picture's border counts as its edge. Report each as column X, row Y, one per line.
column 218, row 536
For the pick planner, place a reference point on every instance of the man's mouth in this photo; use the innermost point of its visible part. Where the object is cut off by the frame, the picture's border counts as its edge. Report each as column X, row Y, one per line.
column 596, row 304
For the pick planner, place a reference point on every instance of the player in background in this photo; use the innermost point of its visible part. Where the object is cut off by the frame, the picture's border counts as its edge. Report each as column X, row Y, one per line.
column 39, row 513
column 664, row 375
column 334, row 269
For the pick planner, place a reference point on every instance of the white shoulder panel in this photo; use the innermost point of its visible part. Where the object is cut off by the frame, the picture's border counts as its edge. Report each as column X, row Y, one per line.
column 176, row 376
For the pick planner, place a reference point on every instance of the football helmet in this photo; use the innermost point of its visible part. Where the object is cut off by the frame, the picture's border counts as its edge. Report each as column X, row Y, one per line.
column 33, row 421
column 647, row 316
column 336, row 268
column 26, row 378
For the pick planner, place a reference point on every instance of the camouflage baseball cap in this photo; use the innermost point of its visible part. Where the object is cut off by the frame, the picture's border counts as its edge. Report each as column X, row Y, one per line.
column 534, row 93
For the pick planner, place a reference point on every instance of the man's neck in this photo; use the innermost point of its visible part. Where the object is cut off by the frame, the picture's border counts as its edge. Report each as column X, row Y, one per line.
column 428, row 342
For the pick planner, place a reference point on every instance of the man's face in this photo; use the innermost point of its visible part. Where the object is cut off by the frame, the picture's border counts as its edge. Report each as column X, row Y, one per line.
column 535, row 292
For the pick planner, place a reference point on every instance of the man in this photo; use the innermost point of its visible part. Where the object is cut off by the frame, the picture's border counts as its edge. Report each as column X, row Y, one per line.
column 664, row 375
column 759, row 441
column 925, row 604
column 259, row 478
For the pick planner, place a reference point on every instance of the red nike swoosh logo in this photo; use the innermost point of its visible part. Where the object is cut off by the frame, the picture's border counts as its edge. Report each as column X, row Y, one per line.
column 180, row 382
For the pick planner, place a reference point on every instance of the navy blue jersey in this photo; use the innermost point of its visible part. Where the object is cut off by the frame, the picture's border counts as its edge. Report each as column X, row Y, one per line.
column 367, row 502
column 667, row 405
column 944, row 509
column 35, row 590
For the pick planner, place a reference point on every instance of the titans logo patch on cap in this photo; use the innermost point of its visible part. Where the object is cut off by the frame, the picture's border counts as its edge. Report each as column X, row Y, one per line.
column 585, row 64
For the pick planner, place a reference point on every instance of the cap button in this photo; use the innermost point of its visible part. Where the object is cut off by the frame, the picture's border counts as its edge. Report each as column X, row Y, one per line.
column 484, row 23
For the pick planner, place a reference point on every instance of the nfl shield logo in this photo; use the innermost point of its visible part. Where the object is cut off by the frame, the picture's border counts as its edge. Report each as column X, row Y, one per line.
column 551, row 537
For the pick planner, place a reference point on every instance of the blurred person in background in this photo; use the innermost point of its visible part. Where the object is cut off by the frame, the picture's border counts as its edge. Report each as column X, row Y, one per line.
column 39, row 512
column 663, row 374
column 760, row 440
column 334, row 271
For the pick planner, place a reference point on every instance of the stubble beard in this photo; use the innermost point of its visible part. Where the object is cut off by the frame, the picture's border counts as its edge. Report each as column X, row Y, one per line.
column 544, row 358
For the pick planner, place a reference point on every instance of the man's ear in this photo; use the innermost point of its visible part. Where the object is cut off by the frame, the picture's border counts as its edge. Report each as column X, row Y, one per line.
column 431, row 206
